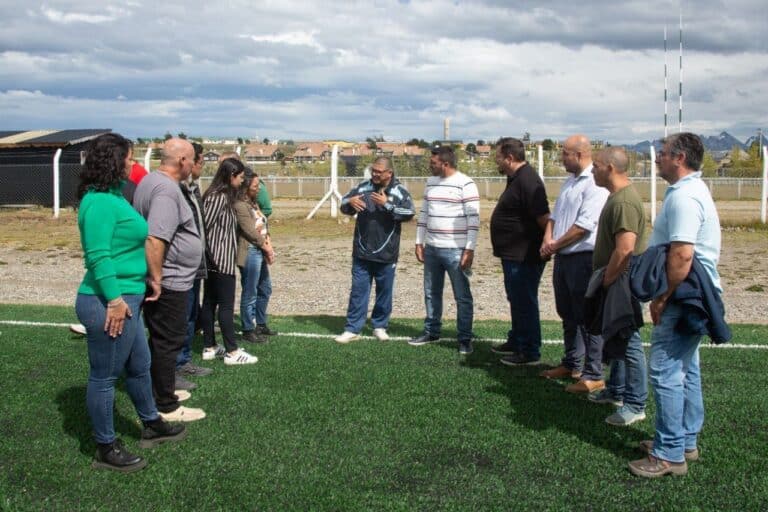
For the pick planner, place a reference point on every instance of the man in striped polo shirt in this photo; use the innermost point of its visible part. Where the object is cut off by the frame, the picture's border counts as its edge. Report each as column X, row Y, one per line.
column 446, row 236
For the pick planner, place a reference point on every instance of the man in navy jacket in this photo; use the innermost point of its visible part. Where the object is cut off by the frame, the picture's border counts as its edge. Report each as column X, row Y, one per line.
column 381, row 204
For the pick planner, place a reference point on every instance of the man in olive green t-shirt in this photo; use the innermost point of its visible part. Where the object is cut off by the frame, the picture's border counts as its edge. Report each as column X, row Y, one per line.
column 621, row 233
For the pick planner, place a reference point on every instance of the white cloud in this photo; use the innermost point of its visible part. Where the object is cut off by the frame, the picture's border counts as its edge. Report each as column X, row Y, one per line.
column 380, row 66
column 68, row 17
column 297, row 38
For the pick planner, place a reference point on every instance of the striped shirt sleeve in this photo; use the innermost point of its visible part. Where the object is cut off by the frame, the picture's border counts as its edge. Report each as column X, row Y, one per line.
column 471, row 202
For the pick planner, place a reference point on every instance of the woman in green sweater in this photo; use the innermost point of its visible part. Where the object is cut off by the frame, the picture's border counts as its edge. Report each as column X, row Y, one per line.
column 108, row 303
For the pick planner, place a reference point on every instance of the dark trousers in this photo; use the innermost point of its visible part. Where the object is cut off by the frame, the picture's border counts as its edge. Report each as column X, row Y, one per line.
column 219, row 292
column 166, row 320
column 521, row 282
column 570, row 278
column 193, row 310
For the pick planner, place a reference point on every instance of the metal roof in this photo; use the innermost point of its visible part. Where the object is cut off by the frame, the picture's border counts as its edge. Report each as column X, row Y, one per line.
column 49, row 138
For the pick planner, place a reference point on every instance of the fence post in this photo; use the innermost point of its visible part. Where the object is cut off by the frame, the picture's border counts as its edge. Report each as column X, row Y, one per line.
column 764, row 193
column 738, row 189
column 56, row 184
column 653, row 185
column 541, row 161
column 148, row 157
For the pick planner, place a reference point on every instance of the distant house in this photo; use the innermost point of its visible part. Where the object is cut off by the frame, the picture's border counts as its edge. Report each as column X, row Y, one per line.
column 311, row 152
column 211, row 156
column 483, row 151
column 260, row 153
column 26, row 164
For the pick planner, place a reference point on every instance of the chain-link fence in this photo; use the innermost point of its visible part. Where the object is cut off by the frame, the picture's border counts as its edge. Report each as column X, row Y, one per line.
column 723, row 189
column 32, row 184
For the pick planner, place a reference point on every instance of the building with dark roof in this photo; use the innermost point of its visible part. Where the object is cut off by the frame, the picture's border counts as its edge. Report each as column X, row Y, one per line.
column 26, row 164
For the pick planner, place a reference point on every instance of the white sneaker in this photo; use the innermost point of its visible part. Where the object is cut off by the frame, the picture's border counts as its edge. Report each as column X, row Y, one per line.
column 240, row 356
column 77, row 329
column 211, row 353
column 182, row 394
column 183, row 414
column 381, row 334
column 346, row 337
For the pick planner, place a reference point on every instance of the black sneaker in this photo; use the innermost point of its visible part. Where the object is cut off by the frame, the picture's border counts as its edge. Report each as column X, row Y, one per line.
column 191, row 370
column 254, row 337
column 519, row 360
column 465, row 347
column 264, row 329
column 160, row 431
column 182, row 383
column 505, row 349
column 114, row 456
column 423, row 339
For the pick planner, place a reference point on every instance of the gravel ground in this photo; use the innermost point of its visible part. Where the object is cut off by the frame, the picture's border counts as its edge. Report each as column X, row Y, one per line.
column 312, row 276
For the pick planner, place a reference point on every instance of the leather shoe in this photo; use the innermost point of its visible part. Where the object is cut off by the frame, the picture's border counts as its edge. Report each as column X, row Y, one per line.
column 160, row 431
column 586, row 386
column 560, row 372
column 114, row 456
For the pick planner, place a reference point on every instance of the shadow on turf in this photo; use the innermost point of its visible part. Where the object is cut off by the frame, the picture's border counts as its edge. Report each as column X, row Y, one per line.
column 541, row 404
column 77, row 423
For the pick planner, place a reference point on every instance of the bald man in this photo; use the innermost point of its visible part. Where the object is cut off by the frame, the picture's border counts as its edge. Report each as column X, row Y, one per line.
column 569, row 236
column 174, row 251
column 620, row 234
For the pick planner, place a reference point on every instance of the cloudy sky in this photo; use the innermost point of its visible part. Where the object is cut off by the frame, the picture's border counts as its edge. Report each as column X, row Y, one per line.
column 352, row 69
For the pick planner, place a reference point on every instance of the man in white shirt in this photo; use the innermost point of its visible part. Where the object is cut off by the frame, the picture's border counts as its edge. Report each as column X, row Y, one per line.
column 569, row 236
column 446, row 236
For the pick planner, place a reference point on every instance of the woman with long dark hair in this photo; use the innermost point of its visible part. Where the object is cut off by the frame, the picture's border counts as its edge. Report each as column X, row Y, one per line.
column 109, row 300
column 254, row 255
column 221, row 239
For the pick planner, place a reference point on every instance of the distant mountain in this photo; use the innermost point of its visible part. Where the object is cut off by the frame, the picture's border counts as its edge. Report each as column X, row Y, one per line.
column 715, row 143
column 723, row 142
column 753, row 139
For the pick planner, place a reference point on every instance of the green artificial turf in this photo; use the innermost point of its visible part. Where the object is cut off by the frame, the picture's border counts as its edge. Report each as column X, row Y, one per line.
column 369, row 426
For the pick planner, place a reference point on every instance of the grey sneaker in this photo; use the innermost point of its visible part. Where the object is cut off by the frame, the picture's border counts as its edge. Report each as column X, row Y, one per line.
column 624, row 417
column 465, row 347
column 191, row 370
column 184, row 384
column 605, row 397
column 422, row 340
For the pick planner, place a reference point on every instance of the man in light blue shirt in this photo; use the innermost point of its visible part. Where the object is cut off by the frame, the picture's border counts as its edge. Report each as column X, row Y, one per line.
column 570, row 237
column 689, row 223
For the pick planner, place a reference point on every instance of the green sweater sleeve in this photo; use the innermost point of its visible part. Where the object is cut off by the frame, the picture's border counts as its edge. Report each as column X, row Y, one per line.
column 265, row 204
column 96, row 231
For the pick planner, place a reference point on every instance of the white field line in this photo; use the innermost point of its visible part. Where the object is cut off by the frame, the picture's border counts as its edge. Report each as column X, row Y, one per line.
column 23, row 323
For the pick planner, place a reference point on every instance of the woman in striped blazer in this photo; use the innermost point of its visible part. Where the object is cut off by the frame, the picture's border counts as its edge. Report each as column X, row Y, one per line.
column 221, row 252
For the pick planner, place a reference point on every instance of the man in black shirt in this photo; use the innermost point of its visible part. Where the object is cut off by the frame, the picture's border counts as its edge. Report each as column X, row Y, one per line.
column 517, row 230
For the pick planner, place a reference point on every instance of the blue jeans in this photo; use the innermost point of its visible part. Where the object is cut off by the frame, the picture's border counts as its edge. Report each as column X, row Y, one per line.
column 438, row 261
column 570, row 278
column 629, row 376
column 108, row 357
column 193, row 309
column 676, row 379
column 363, row 272
column 521, row 282
column 257, row 289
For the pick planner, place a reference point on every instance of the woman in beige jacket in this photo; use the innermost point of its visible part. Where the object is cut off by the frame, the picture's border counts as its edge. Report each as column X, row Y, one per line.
column 254, row 255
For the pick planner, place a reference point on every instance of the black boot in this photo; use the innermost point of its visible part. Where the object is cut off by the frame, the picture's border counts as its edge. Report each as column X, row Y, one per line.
column 264, row 329
column 159, row 431
column 254, row 337
column 114, row 456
